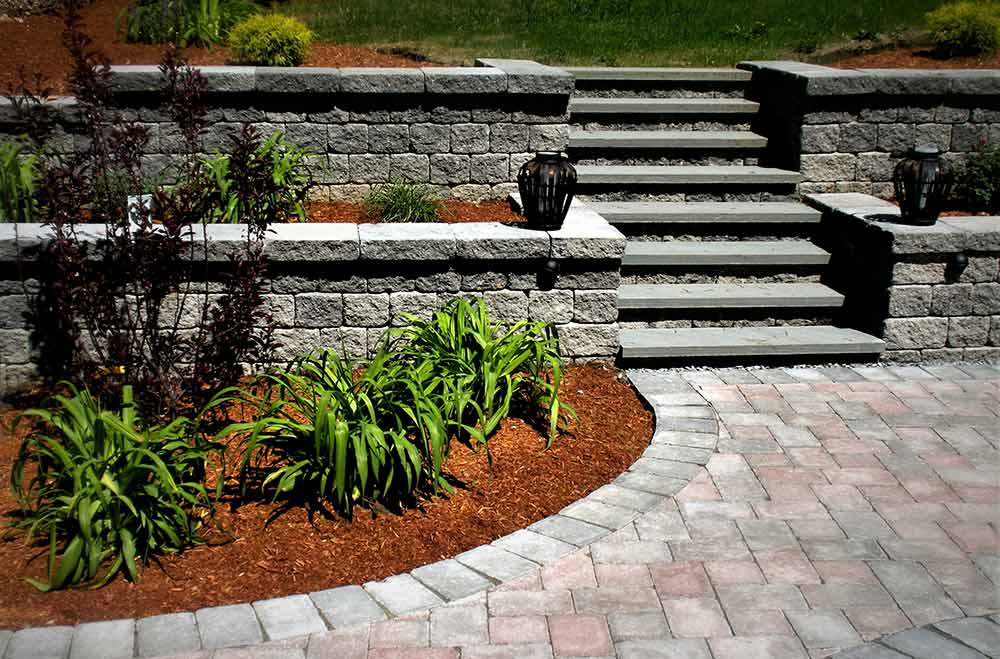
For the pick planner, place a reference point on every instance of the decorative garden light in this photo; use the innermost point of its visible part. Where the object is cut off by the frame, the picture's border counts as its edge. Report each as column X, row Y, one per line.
column 922, row 182
column 546, row 183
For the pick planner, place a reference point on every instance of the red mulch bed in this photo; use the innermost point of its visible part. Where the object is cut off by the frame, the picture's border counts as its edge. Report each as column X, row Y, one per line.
column 916, row 58
column 291, row 555
column 36, row 44
column 454, row 212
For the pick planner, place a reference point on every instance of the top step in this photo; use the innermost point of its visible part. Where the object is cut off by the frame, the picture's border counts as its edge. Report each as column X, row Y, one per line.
column 651, row 74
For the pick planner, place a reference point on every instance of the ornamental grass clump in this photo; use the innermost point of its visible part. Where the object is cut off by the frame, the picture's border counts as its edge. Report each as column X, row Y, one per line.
column 402, row 202
column 107, row 490
column 270, row 40
column 18, row 183
column 482, row 369
column 330, row 439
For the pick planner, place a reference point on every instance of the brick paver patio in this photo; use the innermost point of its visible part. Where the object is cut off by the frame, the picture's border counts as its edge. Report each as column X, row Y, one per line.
column 840, row 506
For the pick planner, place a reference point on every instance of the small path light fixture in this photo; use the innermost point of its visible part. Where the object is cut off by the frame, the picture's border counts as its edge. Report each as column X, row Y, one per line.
column 922, row 182
column 546, row 183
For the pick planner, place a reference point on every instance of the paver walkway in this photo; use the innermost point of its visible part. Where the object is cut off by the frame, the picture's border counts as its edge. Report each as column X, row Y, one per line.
column 841, row 505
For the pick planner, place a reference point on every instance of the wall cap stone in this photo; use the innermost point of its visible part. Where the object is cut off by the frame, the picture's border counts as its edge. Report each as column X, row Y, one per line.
column 947, row 235
column 816, row 80
column 528, row 77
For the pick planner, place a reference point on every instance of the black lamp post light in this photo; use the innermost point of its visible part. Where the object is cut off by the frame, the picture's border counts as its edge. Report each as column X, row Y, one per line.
column 546, row 183
column 922, row 182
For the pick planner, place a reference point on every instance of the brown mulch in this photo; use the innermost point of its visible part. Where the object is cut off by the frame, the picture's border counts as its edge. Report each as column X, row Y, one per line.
column 36, row 44
column 454, row 211
column 915, row 58
column 290, row 555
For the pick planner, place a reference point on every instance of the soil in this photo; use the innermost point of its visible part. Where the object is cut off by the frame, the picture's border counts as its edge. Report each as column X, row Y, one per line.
column 915, row 58
column 35, row 44
column 453, row 212
column 291, row 555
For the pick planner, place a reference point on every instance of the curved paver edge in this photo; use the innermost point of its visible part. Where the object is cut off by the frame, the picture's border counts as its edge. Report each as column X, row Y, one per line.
column 686, row 431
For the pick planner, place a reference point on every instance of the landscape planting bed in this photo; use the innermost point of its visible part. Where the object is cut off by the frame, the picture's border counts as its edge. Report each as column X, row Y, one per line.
column 454, row 212
column 253, row 559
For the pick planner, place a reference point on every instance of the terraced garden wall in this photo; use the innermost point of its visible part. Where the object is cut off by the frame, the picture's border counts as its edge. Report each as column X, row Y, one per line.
column 846, row 129
column 466, row 130
column 341, row 286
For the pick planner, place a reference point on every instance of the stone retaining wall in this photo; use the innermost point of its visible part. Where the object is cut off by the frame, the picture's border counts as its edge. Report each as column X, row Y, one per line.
column 905, row 283
column 342, row 285
column 466, row 130
column 846, row 129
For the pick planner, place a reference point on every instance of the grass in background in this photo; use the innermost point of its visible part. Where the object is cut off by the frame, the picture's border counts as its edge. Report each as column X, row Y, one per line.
column 607, row 32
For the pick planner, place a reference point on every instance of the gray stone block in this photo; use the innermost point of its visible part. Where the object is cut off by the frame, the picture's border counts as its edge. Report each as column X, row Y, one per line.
column 979, row 633
column 464, row 80
column 111, row 639
column 926, row 644
column 648, row 482
column 40, row 643
column 548, row 137
column 315, row 242
column 527, row 77
column 509, row 138
column 534, row 546
column 361, row 80
column 311, row 137
column 407, row 242
column 595, row 306
column 595, row 512
column 829, row 167
column 402, row 594
column 623, row 497
column 134, row 78
column 347, row 138
column 470, row 138
column 421, row 305
column 410, row 167
column 448, row 168
column 451, row 580
column 388, row 138
column 568, row 529
column 297, row 80
column 366, row 309
column 857, row 137
column 368, row 167
column 918, row 273
column 507, row 305
column 939, row 134
column 553, row 306
column 822, row 138
column 496, row 563
column 968, row 332
column 489, row 168
column 951, row 300
column 986, row 299
column 875, row 166
column 495, row 241
column 228, row 626
column 909, row 301
column 171, row 633
column 430, row 138
column 288, row 617
column 576, row 340
column 347, row 606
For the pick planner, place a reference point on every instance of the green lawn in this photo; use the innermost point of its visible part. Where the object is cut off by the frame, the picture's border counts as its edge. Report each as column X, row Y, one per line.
column 609, row 32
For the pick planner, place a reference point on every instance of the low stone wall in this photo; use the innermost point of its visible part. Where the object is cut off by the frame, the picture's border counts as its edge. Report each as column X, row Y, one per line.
column 342, row 285
column 466, row 130
column 906, row 283
column 846, row 129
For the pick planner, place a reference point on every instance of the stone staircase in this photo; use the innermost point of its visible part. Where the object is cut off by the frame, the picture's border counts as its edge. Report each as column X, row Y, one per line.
column 720, row 261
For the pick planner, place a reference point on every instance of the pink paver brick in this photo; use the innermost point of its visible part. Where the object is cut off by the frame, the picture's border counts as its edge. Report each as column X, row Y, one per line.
column 973, row 537
column 696, row 618
column 791, row 491
column 816, row 529
column 860, row 476
column 812, row 457
column 773, row 647
column 733, row 572
column 790, row 475
column 580, row 636
column 413, row 653
column 681, row 580
column 786, row 566
column 527, row 602
column 622, row 576
column 790, row 509
column 841, row 497
column 573, row 571
column 762, row 622
column 701, row 488
column 845, row 572
column 505, row 630
column 889, row 494
column 631, row 626
column 978, row 494
column 768, row 460
column 874, row 621
column 929, row 490
column 400, row 633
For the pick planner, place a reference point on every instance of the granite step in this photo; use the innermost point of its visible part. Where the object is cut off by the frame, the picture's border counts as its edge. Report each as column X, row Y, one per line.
column 672, row 254
column 717, row 175
column 705, row 212
column 727, row 296
column 738, row 342
column 706, row 108
column 665, row 139
column 658, row 74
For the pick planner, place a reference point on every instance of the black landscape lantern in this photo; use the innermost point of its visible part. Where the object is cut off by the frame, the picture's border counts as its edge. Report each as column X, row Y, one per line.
column 546, row 183
column 922, row 182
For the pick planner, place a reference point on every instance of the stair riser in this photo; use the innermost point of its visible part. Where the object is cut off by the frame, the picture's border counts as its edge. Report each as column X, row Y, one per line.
column 750, row 317
column 714, row 231
column 628, row 359
column 704, row 157
column 682, row 193
column 722, row 274
column 696, row 121
column 662, row 88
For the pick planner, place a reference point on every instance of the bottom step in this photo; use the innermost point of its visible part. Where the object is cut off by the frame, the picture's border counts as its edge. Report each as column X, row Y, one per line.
column 746, row 342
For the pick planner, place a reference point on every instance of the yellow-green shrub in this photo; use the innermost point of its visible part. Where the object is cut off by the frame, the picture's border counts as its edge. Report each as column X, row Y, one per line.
column 966, row 28
column 270, row 40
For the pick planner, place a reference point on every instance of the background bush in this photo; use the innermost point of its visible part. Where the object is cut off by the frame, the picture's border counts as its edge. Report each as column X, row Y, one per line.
column 977, row 183
column 402, row 202
column 270, row 40
column 107, row 491
column 965, row 28
column 184, row 22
